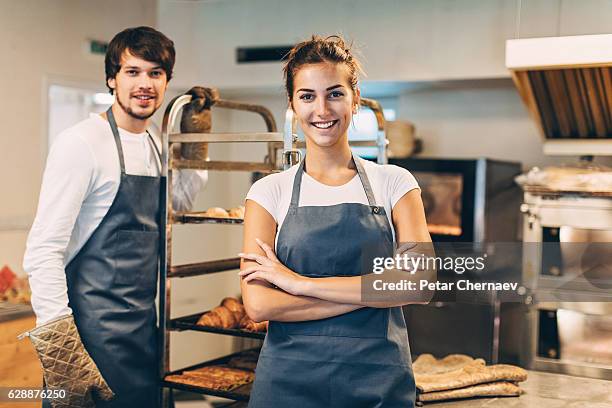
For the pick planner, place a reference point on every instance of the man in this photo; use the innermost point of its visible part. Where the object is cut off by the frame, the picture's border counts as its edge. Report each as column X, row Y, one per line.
column 92, row 253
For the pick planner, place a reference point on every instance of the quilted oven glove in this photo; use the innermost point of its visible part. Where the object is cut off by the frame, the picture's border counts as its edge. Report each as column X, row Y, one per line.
column 67, row 365
column 197, row 118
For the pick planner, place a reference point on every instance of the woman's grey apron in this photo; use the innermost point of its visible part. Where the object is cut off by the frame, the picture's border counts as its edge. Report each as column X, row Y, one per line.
column 359, row 359
column 112, row 284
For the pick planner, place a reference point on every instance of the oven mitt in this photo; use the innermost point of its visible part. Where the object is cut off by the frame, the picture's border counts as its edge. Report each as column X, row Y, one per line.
column 493, row 389
column 197, row 118
column 67, row 365
column 460, row 376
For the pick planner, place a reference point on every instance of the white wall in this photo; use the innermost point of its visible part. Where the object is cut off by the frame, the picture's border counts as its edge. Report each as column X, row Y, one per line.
column 474, row 119
column 410, row 40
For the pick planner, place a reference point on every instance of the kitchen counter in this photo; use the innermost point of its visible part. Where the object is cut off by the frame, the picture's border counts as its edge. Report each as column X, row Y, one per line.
column 546, row 390
column 19, row 365
column 10, row 311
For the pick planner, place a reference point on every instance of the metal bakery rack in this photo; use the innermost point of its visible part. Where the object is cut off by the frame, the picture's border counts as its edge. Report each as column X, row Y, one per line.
column 283, row 151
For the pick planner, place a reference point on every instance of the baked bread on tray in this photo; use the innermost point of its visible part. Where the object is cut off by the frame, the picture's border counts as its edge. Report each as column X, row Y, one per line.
column 230, row 314
column 214, row 377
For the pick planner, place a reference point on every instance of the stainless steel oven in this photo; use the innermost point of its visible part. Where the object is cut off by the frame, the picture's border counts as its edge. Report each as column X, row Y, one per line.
column 564, row 83
column 568, row 262
column 467, row 202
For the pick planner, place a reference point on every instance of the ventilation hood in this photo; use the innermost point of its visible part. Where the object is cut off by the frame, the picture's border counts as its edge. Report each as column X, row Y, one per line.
column 566, row 84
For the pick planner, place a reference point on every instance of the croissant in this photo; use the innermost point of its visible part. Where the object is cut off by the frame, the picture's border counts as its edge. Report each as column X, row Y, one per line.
column 235, row 307
column 210, row 319
column 228, row 320
column 248, row 324
column 230, row 315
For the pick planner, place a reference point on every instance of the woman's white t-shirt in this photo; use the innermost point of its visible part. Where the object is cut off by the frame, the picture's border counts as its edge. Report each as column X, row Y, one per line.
column 389, row 184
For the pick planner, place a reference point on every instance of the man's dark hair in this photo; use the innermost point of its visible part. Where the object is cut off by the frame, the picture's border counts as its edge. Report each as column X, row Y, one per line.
column 142, row 42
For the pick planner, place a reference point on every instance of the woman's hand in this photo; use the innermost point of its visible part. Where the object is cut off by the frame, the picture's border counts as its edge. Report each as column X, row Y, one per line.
column 271, row 270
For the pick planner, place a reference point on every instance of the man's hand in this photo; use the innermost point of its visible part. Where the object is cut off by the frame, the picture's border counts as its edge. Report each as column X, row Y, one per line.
column 67, row 365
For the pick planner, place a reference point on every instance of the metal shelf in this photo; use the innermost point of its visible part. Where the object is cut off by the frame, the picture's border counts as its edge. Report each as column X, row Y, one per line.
column 352, row 143
column 179, row 164
column 201, row 218
column 251, row 137
column 189, row 323
column 171, row 160
column 236, row 404
column 238, row 394
column 203, row 268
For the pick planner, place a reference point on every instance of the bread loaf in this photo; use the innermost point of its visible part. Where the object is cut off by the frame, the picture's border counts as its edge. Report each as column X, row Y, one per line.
column 215, row 377
column 237, row 212
column 217, row 212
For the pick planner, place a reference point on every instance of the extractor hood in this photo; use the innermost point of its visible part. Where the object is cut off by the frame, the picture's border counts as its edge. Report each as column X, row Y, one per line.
column 566, row 84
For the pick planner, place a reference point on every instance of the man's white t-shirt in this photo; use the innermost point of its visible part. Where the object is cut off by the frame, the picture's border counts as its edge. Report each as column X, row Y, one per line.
column 80, row 182
column 389, row 184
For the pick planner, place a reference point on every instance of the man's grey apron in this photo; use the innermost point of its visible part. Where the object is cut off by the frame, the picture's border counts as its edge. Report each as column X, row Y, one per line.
column 112, row 283
column 359, row 359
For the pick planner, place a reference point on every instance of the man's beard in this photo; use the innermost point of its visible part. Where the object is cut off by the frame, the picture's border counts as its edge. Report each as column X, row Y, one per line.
column 131, row 113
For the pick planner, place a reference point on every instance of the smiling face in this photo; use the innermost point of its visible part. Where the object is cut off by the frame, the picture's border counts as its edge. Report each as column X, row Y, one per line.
column 324, row 102
column 139, row 86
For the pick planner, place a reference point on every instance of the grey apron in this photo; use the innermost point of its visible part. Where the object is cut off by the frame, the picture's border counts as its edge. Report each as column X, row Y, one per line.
column 112, row 284
column 359, row 359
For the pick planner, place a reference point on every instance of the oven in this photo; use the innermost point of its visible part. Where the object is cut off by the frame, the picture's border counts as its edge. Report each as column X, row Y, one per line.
column 468, row 200
column 568, row 262
column 468, row 203
column 565, row 84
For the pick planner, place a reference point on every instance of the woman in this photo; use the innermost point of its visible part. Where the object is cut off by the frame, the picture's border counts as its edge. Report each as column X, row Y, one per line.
column 326, row 346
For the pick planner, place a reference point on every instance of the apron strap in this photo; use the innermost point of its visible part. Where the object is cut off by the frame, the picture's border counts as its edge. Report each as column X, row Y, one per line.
column 156, row 150
column 113, row 125
column 365, row 181
column 297, row 184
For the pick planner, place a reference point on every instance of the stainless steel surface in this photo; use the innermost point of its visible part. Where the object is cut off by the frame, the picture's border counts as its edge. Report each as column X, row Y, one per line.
column 577, row 368
column 546, row 390
column 226, row 137
column 352, row 143
column 224, row 166
column 566, row 92
column 576, row 354
column 260, row 110
column 202, row 268
column 172, row 161
column 202, row 218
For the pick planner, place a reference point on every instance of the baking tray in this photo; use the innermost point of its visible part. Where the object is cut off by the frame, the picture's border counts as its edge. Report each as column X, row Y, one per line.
column 201, row 218
column 238, row 394
column 189, row 323
column 540, row 190
column 204, row 268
